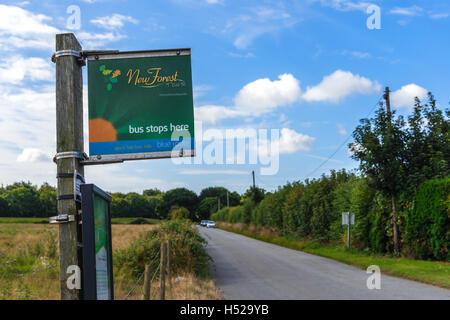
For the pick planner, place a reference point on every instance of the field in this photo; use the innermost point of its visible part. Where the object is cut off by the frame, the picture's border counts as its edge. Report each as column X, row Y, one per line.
column 113, row 220
column 29, row 266
column 432, row 272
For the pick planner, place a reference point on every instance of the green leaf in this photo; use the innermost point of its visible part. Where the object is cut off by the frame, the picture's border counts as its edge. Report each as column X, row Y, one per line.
column 102, row 67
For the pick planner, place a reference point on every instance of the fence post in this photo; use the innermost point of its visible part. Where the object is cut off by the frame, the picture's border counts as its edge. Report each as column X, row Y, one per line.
column 162, row 270
column 169, row 278
column 147, row 284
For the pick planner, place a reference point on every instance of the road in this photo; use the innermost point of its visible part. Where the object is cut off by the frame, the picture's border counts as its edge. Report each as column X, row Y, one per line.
column 248, row 269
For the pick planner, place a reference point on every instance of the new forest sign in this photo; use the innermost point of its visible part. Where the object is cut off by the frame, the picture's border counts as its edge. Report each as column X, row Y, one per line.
column 137, row 102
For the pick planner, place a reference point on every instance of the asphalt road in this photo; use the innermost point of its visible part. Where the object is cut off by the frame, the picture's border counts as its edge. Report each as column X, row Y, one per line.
column 248, row 269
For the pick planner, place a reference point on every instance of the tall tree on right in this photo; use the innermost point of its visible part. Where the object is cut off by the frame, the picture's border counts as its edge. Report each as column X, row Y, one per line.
column 428, row 143
column 380, row 148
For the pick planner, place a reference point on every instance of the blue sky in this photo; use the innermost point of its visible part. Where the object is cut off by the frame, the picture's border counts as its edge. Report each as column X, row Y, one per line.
column 310, row 68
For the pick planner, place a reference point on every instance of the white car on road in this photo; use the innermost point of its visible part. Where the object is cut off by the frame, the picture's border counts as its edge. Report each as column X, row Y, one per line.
column 210, row 224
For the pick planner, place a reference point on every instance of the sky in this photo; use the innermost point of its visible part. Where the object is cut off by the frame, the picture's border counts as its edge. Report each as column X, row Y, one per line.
column 309, row 68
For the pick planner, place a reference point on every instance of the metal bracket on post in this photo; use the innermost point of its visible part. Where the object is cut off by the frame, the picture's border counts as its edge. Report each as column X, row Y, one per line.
column 62, row 218
column 70, row 155
column 73, row 53
column 81, row 55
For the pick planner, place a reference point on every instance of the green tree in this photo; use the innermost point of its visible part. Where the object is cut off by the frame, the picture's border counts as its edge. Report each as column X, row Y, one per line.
column 23, row 201
column 47, row 197
column 380, row 148
column 256, row 194
column 4, row 208
column 151, row 192
column 181, row 197
column 220, row 192
column 206, row 207
column 137, row 205
column 428, row 144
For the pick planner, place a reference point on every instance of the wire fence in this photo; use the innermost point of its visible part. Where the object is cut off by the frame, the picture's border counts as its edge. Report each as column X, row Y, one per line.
column 142, row 274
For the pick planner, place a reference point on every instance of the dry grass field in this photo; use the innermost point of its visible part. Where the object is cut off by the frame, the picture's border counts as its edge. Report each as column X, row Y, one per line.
column 29, row 267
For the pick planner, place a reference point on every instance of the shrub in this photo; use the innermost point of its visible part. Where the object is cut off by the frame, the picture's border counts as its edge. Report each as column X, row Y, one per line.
column 187, row 253
column 428, row 221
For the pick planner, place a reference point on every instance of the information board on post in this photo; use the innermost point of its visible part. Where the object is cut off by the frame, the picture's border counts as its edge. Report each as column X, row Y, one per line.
column 348, row 218
column 97, row 244
column 140, row 105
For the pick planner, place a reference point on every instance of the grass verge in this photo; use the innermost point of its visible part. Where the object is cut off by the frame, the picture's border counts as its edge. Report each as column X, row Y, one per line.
column 24, row 220
column 29, row 266
column 431, row 272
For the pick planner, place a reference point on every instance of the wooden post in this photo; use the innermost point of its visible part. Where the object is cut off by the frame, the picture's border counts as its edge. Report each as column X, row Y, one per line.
column 147, row 284
column 348, row 231
column 162, row 271
column 394, row 213
column 253, row 175
column 169, row 276
column 388, row 102
column 69, row 137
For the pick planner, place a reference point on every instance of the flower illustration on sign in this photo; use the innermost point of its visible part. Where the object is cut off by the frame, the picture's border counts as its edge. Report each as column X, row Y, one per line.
column 111, row 76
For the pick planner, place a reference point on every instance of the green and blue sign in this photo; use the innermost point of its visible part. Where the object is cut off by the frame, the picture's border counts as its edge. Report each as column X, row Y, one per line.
column 140, row 102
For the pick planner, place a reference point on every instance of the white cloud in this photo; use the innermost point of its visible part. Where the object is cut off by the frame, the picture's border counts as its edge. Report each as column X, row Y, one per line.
column 20, row 28
column 356, row 54
column 213, row 172
column 113, row 22
column 27, row 133
column 342, row 130
column 407, row 11
column 15, row 69
column 97, row 40
column 23, row 3
column 213, row 114
column 33, row 155
column 292, row 142
column 405, row 96
column 345, row 5
column 439, row 15
column 201, row 90
column 339, row 85
column 257, row 21
column 354, row 147
column 254, row 99
column 239, row 55
column 264, row 95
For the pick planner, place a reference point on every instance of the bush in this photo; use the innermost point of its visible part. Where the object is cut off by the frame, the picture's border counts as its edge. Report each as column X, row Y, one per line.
column 179, row 213
column 428, row 222
column 187, row 252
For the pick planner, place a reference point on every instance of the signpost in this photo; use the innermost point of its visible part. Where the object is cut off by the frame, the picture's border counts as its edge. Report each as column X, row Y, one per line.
column 138, row 101
column 97, row 249
column 140, row 107
column 348, row 219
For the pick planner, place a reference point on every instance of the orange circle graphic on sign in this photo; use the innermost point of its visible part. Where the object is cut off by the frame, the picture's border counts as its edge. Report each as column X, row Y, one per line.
column 101, row 130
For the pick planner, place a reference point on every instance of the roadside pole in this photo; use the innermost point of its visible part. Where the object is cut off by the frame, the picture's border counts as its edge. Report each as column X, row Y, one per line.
column 348, row 233
column 162, row 271
column 69, row 141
